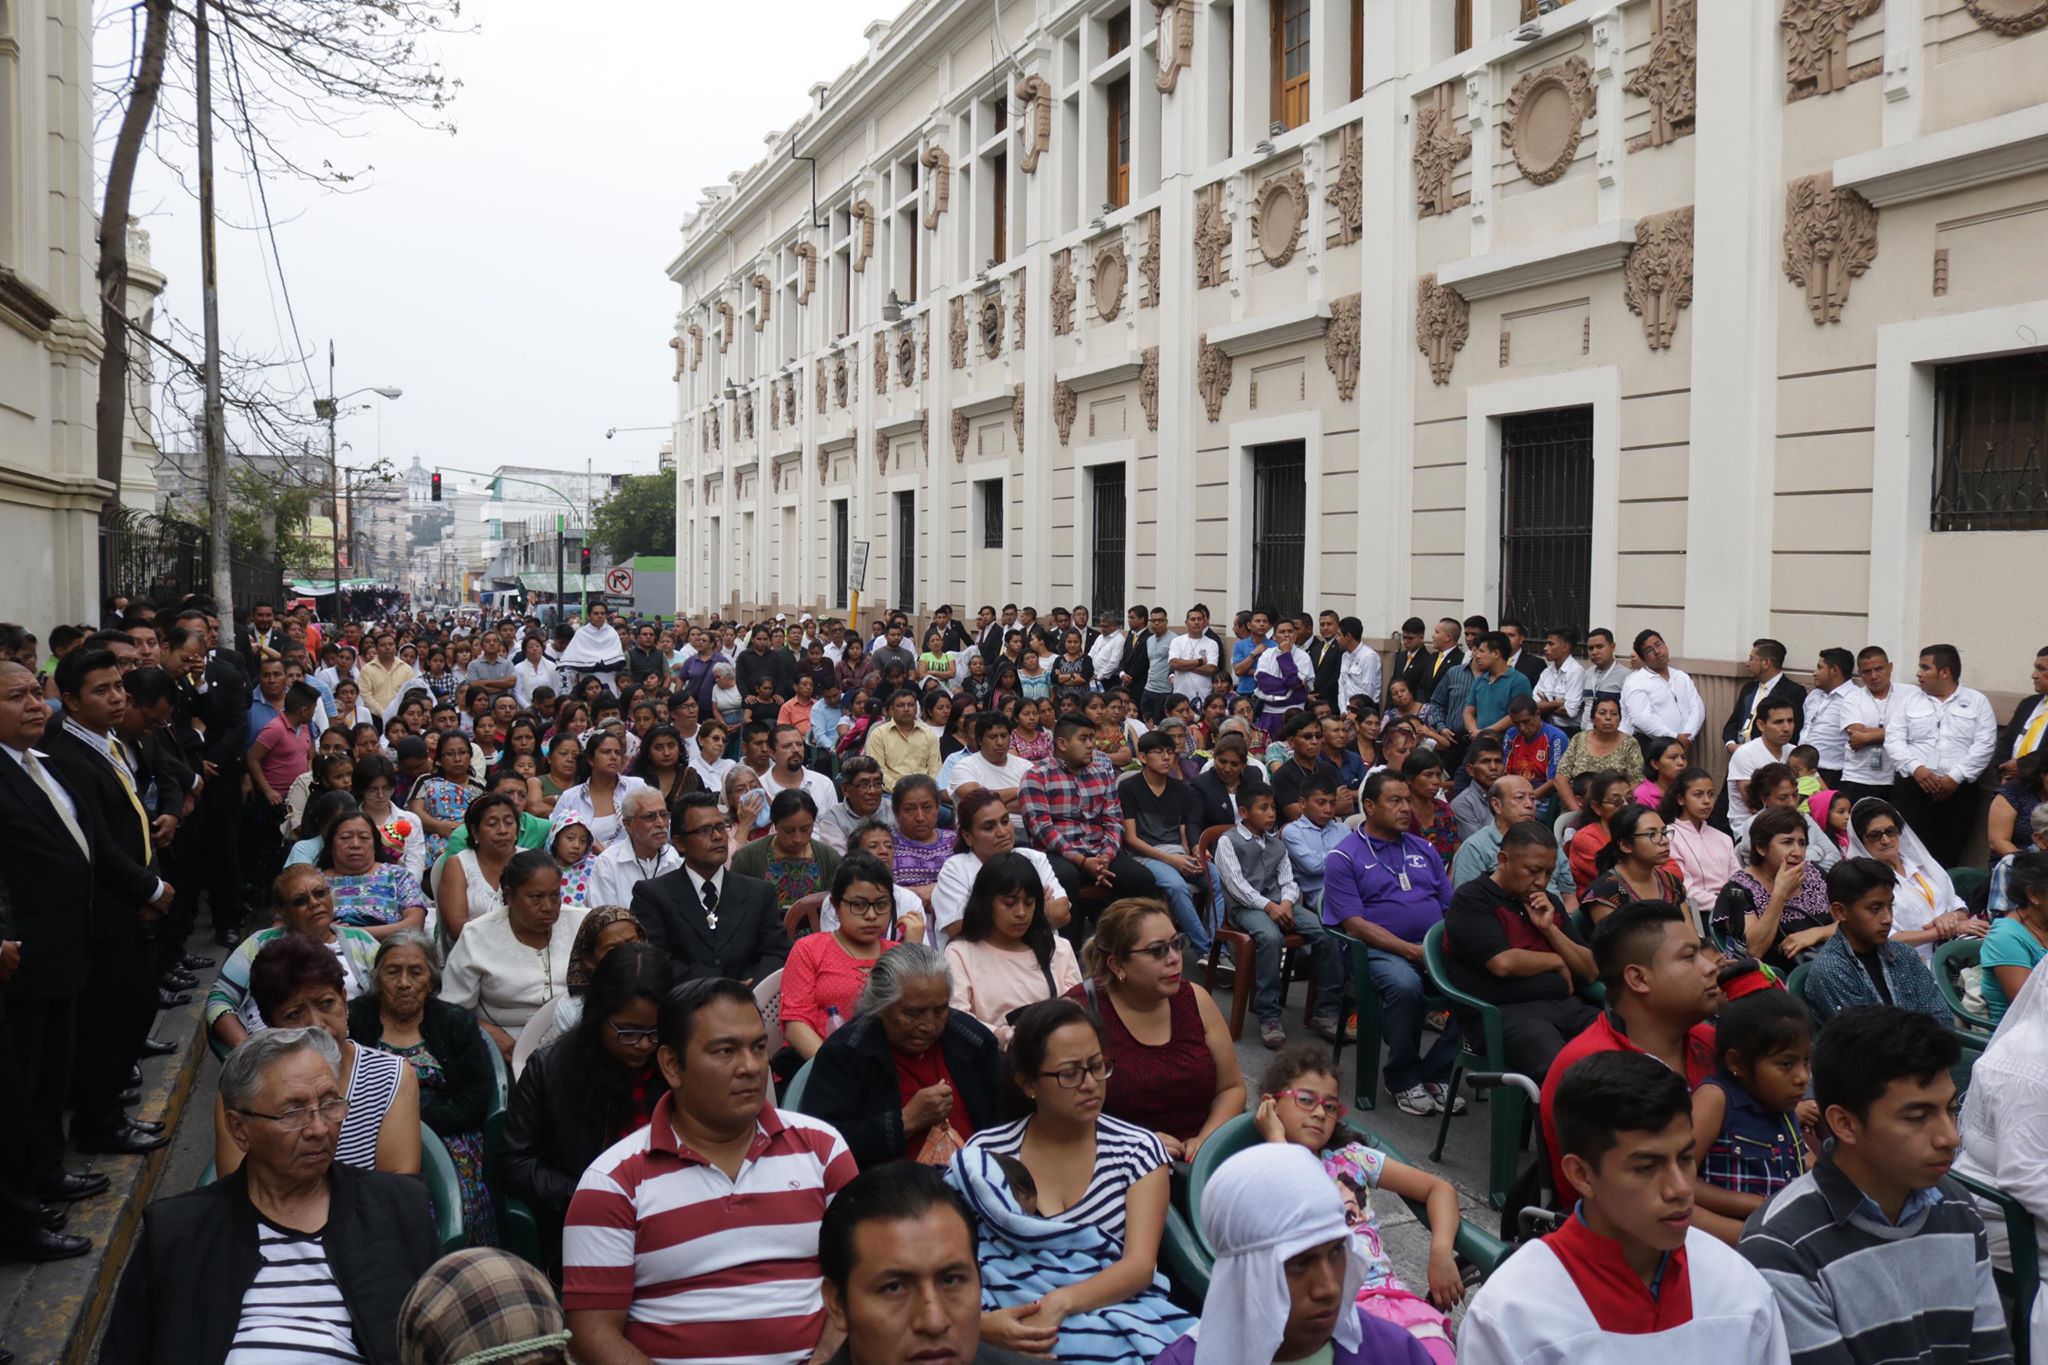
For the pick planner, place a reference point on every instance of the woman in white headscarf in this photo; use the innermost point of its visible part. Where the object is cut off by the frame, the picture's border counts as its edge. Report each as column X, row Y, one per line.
column 2005, row 1129
column 1925, row 907
column 595, row 648
column 1285, row 1285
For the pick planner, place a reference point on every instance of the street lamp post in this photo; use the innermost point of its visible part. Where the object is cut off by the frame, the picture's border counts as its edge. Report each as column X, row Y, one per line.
column 330, row 408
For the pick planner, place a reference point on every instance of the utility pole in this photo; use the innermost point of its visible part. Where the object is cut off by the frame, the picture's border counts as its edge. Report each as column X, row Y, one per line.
column 561, row 556
column 333, row 476
column 222, row 568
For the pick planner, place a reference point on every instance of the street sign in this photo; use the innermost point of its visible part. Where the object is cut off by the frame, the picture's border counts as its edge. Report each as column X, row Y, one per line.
column 857, row 566
column 620, row 581
column 618, row 599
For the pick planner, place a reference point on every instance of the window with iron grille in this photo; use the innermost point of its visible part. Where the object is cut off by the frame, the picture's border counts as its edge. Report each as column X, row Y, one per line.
column 991, row 514
column 1279, row 525
column 1106, row 565
column 842, row 548
column 905, row 585
column 1991, row 427
column 1546, row 519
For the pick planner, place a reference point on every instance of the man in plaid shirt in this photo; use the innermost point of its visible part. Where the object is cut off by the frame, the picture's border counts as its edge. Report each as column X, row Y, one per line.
column 1072, row 814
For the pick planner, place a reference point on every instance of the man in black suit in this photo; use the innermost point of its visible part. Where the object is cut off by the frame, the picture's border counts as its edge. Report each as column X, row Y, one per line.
column 1324, row 652
column 105, row 772
column 1524, row 660
column 216, row 695
column 712, row 922
column 1412, row 662
column 2028, row 728
column 1767, row 682
column 54, row 855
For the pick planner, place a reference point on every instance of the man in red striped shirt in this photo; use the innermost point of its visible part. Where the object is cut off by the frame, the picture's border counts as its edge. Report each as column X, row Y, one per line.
column 694, row 1241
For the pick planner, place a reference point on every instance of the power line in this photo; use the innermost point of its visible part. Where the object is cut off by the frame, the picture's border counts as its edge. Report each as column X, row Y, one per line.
column 263, row 194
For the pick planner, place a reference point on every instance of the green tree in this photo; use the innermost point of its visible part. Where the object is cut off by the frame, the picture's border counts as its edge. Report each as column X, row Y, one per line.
column 266, row 518
column 639, row 518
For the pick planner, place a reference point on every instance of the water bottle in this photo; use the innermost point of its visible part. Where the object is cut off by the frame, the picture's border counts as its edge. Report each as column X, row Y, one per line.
column 832, row 1020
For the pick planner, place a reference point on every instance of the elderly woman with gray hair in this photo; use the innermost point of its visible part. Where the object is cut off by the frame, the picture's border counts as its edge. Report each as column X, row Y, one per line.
column 292, row 1256
column 451, row 1059
column 909, row 1076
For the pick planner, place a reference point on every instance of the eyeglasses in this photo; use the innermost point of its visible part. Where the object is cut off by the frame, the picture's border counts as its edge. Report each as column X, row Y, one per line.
column 1177, row 946
column 715, row 827
column 301, row 901
column 1069, row 1077
column 294, row 1120
column 865, row 909
column 1310, row 1101
column 631, row 1036
column 1880, row 834
column 1653, row 834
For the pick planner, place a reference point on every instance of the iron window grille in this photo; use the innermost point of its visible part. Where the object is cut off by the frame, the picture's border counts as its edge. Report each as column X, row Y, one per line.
column 1106, row 581
column 1279, row 526
column 1991, row 423
column 1546, row 519
column 991, row 514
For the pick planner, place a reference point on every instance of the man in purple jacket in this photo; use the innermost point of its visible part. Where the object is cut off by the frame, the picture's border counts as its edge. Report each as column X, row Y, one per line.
column 1385, row 887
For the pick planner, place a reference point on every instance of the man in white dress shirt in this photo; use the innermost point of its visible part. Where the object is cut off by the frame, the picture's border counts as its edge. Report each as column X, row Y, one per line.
column 1560, row 690
column 644, row 852
column 1834, row 681
column 1605, row 676
column 1658, row 699
column 1866, row 711
column 1193, row 658
column 1774, row 730
column 1106, row 653
column 1358, row 675
column 1939, row 743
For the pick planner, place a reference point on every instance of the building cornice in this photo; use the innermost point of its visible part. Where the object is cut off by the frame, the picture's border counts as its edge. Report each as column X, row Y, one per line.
column 25, row 307
column 1954, row 159
column 1268, row 330
column 1588, row 251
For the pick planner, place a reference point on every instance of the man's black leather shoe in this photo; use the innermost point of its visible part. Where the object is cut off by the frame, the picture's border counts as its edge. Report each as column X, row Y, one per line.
column 41, row 1245
column 127, row 1141
column 150, row 1126
column 166, row 1000
column 195, row 962
column 229, row 939
column 52, row 1217
column 177, row 980
column 156, row 1047
column 75, row 1185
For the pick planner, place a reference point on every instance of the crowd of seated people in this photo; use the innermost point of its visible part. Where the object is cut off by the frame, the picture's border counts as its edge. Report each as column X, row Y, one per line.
column 526, row 924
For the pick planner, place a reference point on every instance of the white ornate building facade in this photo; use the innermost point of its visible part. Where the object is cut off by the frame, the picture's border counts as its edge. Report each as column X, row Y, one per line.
column 1724, row 316
column 50, row 340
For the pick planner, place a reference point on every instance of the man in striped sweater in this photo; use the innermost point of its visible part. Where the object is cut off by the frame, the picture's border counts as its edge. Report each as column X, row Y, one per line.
column 1874, row 1254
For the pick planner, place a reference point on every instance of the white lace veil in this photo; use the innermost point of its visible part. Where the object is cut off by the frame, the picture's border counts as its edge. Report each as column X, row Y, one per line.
column 1910, row 909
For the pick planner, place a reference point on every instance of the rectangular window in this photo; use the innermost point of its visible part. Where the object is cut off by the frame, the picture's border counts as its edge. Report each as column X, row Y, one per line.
column 1991, row 433
column 1461, row 25
column 1106, row 566
column 905, row 586
column 1279, row 525
column 1290, row 60
column 1357, row 49
column 991, row 514
column 1546, row 518
column 1119, row 187
column 999, row 207
column 842, row 548
column 1119, row 32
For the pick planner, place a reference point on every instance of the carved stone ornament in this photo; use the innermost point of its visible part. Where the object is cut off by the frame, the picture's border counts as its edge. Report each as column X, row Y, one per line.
column 906, row 357
column 992, row 323
column 940, row 165
column 1110, row 276
column 775, row 418
column 839, row 380
column 1346, row 195
column 1212, row 376
column 1063, row 293
column 864, row 246
column 1148, row 262
column 1282, row 211
column 1036, row 92
column 1830, row 238
column 1668, row 79
column 924, row 348
column 1065, row 405
column 1212, row 239
column 1023, row 296
column 1148, row 387
column 724, row 307
column 960, row 426
column 824, row 462
column 747, row 412
column 789, row 400
column 1658, row 277
column 1177, row 53
column 956, row 333
column 1017, row 415
column 1817, row 43
column 807, row 252
column 820, row 408
column 1440, row 148
column 676, row 345
column 717, row 428
column 1443, row 323
column 2009, row 17
column 1546, row 115
column 696, row 346
column 880, row 350
column 762, row 292
column 1341, row 345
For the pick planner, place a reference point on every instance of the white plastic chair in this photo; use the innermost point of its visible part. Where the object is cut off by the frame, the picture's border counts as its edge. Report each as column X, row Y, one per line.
column 768, row 995
column 534, row 1033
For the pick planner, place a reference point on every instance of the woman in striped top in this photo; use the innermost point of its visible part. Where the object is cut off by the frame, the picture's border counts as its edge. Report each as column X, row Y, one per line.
column 297, row 984
column 1090, row 1169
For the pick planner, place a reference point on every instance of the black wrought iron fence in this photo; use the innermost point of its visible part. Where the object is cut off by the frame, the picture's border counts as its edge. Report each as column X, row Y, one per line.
column 163, row 559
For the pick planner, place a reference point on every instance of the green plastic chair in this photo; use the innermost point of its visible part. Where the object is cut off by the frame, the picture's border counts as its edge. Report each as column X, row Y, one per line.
column 1486, row 1053
column 1363, row 999
column 1796, row 982
column 1474, row 1243
column 2023, row 1282
column 438, row 1168
column 501, row 1078
column 518, row 1229
column 793, row 1093
column 1968, row 880
column 1949, row 961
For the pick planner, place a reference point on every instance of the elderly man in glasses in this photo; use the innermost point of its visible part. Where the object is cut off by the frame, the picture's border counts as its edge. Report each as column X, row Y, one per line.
column 645, row 851
column 293, row 1256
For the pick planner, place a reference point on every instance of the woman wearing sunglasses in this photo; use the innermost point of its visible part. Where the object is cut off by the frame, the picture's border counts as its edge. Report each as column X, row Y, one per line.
column 1298, row 1104
column 1925, row 907
column 1176, row 1064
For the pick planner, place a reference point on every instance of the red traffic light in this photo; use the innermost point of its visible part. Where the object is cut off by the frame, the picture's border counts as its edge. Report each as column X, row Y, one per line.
column 585, row 552
column 436, row 496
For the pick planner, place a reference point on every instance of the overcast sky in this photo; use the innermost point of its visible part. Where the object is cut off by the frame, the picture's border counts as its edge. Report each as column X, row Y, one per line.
column 509, row 278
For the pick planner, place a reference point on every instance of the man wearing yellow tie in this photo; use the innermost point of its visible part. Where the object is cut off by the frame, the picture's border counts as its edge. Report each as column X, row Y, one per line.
column 2028, row 729
column 120, row 998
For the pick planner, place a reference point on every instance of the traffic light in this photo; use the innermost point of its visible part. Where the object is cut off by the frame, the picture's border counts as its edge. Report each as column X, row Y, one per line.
column 585, row 553
column 436, row 496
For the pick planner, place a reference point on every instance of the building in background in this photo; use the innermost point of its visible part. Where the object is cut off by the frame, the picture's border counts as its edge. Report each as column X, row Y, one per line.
column 50, row 341
column 139, row 456
column 1717, row 317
